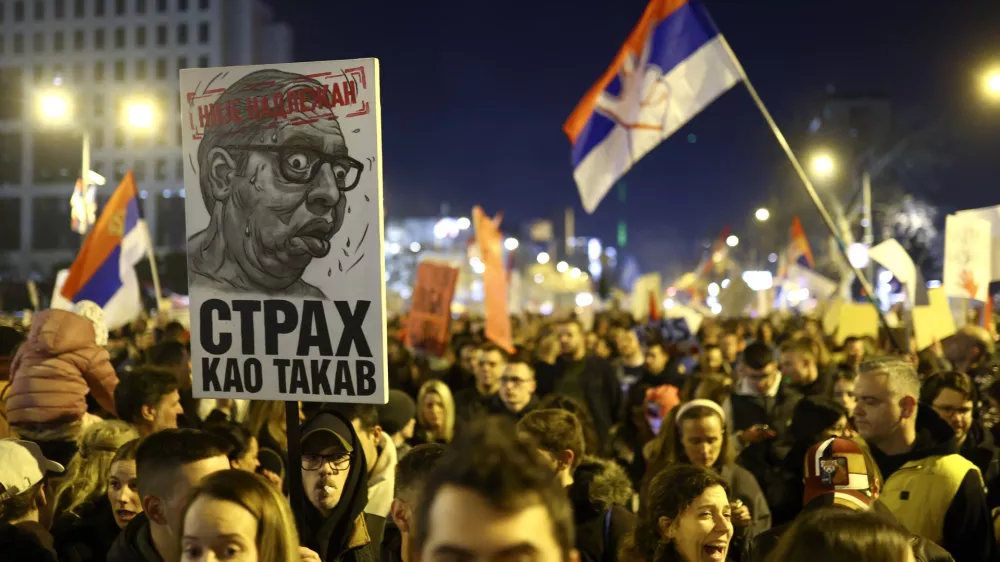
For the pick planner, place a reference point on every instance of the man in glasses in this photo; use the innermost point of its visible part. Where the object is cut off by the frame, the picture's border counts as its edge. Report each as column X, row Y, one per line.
column 335, row 481
column 516, row 398
column 275, row 188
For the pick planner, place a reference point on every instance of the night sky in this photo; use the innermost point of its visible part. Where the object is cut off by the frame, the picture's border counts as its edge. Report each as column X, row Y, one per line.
column 474, row 96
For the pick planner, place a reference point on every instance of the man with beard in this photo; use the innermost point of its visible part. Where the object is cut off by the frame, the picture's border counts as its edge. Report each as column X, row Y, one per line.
column 586, row 378
column 275, row 196
column 335, row 481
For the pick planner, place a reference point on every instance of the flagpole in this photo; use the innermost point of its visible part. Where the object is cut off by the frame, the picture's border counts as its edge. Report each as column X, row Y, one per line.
column 807, row 183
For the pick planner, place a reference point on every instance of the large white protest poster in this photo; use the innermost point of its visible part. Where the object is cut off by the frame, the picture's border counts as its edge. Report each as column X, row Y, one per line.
column 283, row 178
column 967, row 257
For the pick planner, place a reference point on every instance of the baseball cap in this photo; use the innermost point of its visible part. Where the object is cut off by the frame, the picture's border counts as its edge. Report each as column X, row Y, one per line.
column 839, row 469
column 397, row 412
column 22, row 465
column 324, row 430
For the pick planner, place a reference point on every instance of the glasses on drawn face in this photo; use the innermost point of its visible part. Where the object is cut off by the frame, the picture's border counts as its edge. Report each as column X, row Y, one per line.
column 339, row 461
column 301, row 164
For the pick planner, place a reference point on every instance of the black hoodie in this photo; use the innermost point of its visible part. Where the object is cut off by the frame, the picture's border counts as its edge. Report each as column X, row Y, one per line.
column 87, row 536
column 599, row 491
column 968, row 528
column 347, row 534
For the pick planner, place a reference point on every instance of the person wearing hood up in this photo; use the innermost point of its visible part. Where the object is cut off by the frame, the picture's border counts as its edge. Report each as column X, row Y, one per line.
column 380, row 457
column 597, row 489
column 933, row 491
column 840, row 474
column 335, row 525
column 63, row 359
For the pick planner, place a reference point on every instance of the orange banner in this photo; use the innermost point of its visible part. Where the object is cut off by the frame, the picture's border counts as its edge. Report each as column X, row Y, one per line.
column 490, row 242
column 430, row 308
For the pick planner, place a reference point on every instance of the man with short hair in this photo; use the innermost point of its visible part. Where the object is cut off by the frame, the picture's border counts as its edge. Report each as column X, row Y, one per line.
column 398, row 418
column 473, row 403
column 380, row 455
column 659, row 370
column 840, row 474
column 799, row 364
column 490, row 498
column 169, row 464
column 762, row 406
column 854, row 353
column 148, row 398
column 929, row 488
column 517, row 391
column 631, row 362
column 411, row 476
column 335, row 525
column 586, row 378
column 729, row 346
column 26, row 498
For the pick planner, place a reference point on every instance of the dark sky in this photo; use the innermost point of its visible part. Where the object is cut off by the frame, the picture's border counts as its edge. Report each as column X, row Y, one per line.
column 474, row 95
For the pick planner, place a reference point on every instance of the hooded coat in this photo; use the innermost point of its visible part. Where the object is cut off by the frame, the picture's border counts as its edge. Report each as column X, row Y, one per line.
column 599, row 491
column 135, row 543
column 88, row 535
column 936, row 493
column 347, row 534
column 55, row 369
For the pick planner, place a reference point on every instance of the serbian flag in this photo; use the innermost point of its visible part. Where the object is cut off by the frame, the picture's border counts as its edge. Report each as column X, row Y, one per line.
column 799, row 251
column 104, row 270
column 673, row 64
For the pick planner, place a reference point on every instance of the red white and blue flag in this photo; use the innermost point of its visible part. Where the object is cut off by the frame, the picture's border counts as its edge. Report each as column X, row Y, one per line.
column 673, row 64
column 104, row 270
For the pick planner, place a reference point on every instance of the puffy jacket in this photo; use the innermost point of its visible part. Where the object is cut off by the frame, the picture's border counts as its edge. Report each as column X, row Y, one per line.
column 599, row 493
column 55, row 368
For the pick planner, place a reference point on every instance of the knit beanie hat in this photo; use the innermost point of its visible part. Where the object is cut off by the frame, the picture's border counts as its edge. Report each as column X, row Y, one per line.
column 94, row 313
column 398, row 412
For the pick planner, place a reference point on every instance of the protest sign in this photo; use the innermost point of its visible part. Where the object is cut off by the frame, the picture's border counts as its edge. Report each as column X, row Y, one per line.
column 646, row 294
column 490, row 242
column 991, row 215
column 283, row 181
column 934, row 321
column 967, row 257
column 858, row 320
column 430, row 308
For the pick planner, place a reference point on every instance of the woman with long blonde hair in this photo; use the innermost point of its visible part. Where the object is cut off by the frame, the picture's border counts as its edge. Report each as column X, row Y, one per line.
column 235, row 511
column 86, row 476
column 435, row 414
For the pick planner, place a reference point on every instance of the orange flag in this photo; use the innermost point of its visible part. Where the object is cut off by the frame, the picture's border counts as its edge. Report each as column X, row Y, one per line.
column 490, row 242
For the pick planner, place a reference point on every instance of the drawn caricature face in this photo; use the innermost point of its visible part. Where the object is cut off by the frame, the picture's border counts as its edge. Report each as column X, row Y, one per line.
column 285, row 207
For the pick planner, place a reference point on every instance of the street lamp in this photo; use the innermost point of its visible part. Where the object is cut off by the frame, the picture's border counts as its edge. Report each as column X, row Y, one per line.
column 543, row 258
column 54, row 106
column 732, row 241
column 762, row 214
column 511, row 244
column 140, row 114
column 992, row 83
column 562, row 267
column 822, row 165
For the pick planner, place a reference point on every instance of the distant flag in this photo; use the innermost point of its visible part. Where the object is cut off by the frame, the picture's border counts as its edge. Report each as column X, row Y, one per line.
column 720, row 252
column 673, row 64
column 799, row 251
column 654, row 307
column 83, row 207
column 104, row 270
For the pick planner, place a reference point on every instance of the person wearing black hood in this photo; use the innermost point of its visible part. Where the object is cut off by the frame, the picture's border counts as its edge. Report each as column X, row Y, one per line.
column 335, row 482
column 933, row 491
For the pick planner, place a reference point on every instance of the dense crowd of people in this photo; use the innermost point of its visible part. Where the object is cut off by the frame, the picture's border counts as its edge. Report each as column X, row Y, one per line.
column 757, row 440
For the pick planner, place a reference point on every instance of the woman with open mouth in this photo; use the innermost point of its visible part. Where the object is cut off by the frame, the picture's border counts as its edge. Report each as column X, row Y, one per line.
column 685, row 518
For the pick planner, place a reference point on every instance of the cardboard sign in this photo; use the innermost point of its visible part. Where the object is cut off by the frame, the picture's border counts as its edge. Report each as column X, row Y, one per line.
column 642, row 307
column 967, row 257
column 490, row 242
column 430, row 310
column 933, row 321
column 283, row 181
column 857, row 319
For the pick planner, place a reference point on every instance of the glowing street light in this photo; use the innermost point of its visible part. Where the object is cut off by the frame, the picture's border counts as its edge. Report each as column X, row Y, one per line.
column 562, row 266
column 543, row 258
column 575, row 272
column 140, row 115
column 822, row 165
column 463, row 223
column 732, row 241
column 762, row 214
column 992, row 83
column 54, row 105
column 511, row 244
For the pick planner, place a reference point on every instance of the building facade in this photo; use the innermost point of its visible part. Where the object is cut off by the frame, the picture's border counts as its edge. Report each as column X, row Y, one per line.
column 105, row 52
